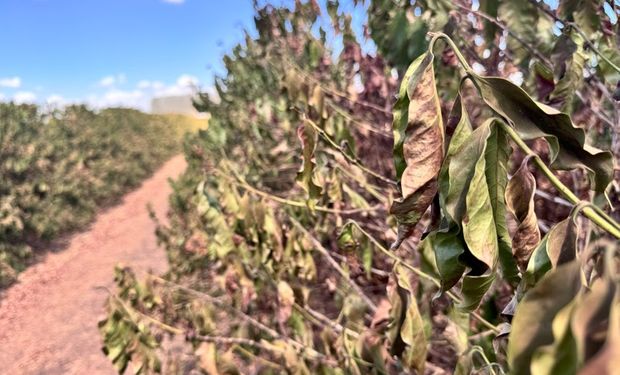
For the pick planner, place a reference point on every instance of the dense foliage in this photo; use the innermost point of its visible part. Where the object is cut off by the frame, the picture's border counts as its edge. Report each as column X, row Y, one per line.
column 58, row 168
column 306, row 238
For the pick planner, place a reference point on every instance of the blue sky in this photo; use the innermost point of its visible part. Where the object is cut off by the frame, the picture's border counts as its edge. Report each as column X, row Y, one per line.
column 111, row 52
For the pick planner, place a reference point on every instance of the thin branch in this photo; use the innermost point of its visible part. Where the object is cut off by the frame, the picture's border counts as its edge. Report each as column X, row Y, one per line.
column 344, row 153
column 225, row 306
column 362, row 124
column 293, row 203
column 320, row 248
column 335, row 92
column 578, row 29
column 502, row 26
column 552, row 198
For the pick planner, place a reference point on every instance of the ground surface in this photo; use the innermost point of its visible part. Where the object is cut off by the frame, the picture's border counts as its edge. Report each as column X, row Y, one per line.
column 48, row 321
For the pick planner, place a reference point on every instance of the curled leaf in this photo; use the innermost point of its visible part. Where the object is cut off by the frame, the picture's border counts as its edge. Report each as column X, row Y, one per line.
column 418, row 144
column 520, row 202
column 406, row 332
column 535, row 120
column 532, row 323
column 308, row 138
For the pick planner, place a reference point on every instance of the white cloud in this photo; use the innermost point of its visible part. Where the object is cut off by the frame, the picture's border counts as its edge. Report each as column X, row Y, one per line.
column 56, row 100
column 185, row 80
column 121, row 98
column 2, row 97
column 185, row 85
column 112, row 80
column 11, row 82
column 22, row 97
column 174, row 1
column 144, row 84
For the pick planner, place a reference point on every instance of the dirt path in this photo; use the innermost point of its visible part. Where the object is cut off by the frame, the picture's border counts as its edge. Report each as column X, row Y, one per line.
column 48, row 321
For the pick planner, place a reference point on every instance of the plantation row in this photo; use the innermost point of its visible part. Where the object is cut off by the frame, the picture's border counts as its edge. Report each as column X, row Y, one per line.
column 57, row 168
column 393, row 213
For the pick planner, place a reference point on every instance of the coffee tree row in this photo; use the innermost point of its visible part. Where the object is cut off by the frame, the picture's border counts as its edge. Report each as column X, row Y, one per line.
column 305, row 237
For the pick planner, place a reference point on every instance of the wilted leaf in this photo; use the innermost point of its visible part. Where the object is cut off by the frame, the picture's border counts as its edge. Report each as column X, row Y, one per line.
column 606, row 361
column 532, row 323
column 406, row 332
column 308, row 138
column 521, row 17
column 207, row 357
column 520, row 202
column 562, row 242
column 418, row 144
column 591, row 321
column 286, row 300
column 534, row 120
column 560, row 357
column 459, row 127
column 569, row 60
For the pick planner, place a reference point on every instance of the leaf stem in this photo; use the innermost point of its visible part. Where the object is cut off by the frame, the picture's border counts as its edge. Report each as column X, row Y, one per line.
column 457, row 52
column 602, row 220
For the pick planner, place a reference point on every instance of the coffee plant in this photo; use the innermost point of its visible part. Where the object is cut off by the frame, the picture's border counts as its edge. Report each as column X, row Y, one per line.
column 476, row 238
column 58, row 168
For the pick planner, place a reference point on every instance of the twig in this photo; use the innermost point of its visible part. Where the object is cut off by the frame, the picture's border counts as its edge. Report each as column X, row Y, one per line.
column 554, row 199
column 344, row 153
column 339, row 110
column 335, row 92
column 502, row 26
column 320, row 248
column 578, row 29
column 289, row 202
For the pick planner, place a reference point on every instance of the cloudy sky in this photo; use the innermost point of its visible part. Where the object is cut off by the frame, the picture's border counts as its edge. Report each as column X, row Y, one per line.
column 114, row 52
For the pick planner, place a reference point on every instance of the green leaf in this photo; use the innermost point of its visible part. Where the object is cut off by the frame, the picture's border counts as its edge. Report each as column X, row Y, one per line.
column 447, row 248
column 497, row 154
column 406, row 332
column 535, row 120
column 520, row 202
column 533, row 320
column 478, row 223
column 418, row 145
column 587, row 16
column 538, row 265
column 469, row 206
column 459, row 126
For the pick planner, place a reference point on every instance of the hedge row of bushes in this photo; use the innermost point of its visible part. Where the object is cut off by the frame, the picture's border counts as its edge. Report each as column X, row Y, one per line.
column 57, row 168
